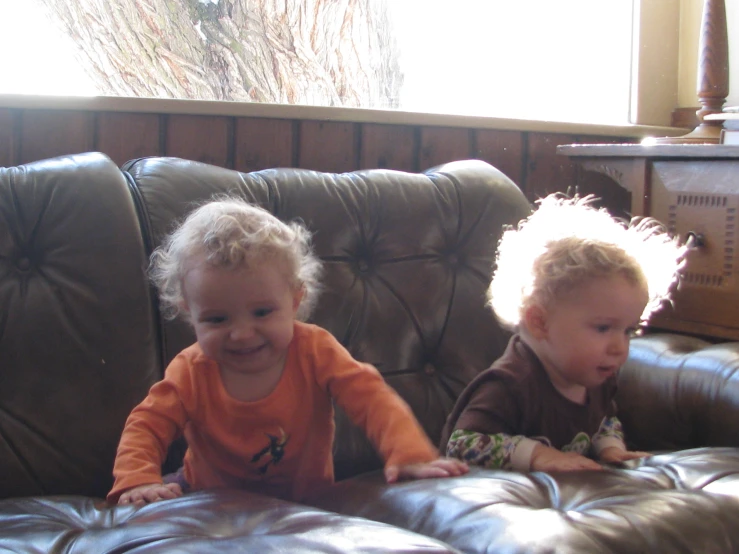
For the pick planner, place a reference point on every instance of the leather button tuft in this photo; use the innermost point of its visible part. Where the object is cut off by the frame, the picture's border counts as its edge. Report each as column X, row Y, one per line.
column 428, row 369
column 24, row 264
column 363, row 266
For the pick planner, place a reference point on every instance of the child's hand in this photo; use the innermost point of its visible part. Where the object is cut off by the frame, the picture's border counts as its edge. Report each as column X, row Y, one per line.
column 545, row 458
column 614, row 454
column 144, row 494
column 441, row 467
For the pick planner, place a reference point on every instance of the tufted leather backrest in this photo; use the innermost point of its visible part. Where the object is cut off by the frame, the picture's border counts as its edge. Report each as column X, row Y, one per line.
column 408, row 258
column 78, row 337
column 677, row 392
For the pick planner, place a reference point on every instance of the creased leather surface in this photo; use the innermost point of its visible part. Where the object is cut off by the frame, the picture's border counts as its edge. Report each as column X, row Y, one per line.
column 223, row 521
column 683, row 502
column 78, row 344
column 679, row 392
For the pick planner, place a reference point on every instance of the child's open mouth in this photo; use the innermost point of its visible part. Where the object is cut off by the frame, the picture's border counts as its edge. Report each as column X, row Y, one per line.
column 247, row 351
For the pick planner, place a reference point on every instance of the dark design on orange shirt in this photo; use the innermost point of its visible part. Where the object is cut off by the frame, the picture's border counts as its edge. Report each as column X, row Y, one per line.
column 273, row 452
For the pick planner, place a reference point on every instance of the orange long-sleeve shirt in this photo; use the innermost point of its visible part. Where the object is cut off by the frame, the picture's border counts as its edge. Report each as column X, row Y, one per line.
column 280, row 445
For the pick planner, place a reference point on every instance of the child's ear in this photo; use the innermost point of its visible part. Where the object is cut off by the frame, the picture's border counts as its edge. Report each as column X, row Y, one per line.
column 298, row 298
column 535, row 319
column 184, row 308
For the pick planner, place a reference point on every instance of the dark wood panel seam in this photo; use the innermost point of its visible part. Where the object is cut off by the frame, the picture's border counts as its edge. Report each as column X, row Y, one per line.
column 95, row 132
column 163, row 130
column 647, row 190
column 357, row 158
column 231, row 142
column 417, row 149
column 296, row 142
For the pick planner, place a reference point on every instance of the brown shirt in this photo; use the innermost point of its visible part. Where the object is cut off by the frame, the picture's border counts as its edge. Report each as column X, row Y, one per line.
column 515, row 398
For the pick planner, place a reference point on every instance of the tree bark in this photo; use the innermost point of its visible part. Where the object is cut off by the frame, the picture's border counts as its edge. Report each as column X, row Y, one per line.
column 319, row 52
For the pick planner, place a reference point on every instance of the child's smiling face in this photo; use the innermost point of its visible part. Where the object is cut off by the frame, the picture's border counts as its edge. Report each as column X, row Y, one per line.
column 584, row 335
column 243, row 318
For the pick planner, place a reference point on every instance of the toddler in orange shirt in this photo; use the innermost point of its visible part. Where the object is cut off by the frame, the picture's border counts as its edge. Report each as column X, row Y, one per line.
column 253, row 396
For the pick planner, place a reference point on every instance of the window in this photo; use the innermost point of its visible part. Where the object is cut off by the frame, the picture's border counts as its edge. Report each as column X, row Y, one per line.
column 569, row 60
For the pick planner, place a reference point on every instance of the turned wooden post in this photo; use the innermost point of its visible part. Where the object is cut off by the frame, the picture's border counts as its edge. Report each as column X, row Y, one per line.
column 713, row 75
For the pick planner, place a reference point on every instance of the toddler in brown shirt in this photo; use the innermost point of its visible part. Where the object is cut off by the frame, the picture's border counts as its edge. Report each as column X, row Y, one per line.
column 574, row 284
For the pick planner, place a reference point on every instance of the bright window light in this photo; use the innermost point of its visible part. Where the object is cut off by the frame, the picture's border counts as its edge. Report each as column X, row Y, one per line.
column 35, row 57
column 568, row 60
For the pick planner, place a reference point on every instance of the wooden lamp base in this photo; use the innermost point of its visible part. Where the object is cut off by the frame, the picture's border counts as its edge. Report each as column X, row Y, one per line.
column 713, row 76
column 703, row 134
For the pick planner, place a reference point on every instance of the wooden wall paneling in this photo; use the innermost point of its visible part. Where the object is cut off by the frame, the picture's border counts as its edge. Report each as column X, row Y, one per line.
column 328, row 146
column 444, row 144
column 8, row 137
column 546, row 171
column 616, row 199
column 207, row 139
column 389, row 146
column 50, row 133
column 262, row 143
column 125, row 136
column 503, row 149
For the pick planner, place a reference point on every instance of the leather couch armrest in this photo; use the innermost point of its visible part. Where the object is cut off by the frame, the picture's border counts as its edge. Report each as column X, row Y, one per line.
column 678, row 392
column 205, row 521
column 576, row 511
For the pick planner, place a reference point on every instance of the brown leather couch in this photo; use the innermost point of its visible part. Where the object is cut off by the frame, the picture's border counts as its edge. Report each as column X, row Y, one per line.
column 408, row 258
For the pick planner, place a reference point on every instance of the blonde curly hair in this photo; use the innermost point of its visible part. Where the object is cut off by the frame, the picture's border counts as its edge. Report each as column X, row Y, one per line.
column 566, row 242
column 228, row 232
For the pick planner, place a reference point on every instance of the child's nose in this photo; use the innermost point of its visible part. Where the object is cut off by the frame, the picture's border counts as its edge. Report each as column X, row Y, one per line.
column 619, row 344
column 241, row 331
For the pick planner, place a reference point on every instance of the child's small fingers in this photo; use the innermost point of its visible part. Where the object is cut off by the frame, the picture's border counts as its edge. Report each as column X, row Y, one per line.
column 151, row 495
column 456, row 468
column 167, row 493
column 175, row 488
column 430, row 472
column 391, row 474
column 631, row 455
column 587, row 463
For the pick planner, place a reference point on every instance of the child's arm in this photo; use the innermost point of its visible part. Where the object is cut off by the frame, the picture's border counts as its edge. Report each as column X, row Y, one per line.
column 614, row 454
column 518, row 453
column 609, row 444
column 150, row 429
column 546, row 458
column 491, row 451
column 384, row 416
column 394, row 430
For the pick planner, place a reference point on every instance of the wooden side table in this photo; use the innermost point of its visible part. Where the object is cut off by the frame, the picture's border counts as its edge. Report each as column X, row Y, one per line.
column 694, row 190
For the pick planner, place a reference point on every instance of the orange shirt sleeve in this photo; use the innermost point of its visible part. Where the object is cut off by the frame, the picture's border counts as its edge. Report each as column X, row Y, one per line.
column 150, row 429
column 370, row 403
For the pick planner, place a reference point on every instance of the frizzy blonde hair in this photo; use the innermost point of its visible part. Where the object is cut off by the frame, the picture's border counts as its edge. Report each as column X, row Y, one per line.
column 566, row 242
column 230, row 233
